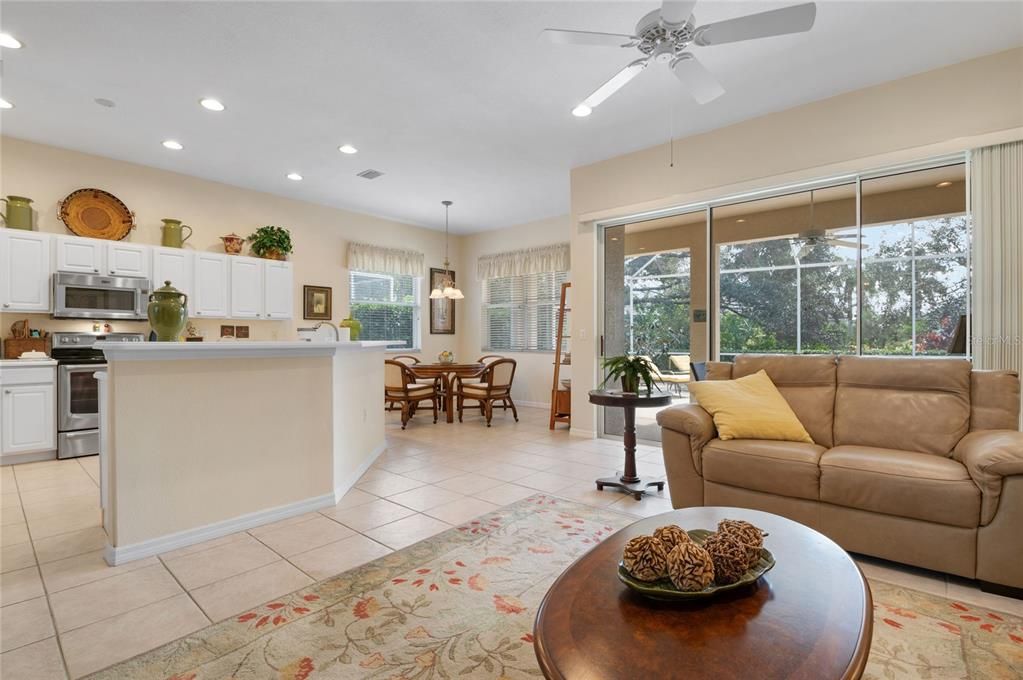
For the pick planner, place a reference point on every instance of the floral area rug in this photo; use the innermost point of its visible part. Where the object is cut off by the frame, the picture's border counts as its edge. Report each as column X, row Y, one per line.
column 462, row 604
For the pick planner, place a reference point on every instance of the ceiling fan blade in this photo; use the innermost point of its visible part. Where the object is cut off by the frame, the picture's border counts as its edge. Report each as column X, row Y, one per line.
column 617, row 82
column 676, row 12
column 700, row 82
column 844, row 244
column 794, row 19
column 557, row 36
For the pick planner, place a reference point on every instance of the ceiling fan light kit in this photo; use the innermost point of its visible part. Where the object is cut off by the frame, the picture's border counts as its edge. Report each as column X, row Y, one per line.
column 663, row 36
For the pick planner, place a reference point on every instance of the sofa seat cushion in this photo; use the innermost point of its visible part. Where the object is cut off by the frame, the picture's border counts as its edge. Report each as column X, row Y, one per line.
column 901, row 483
column 784, row 468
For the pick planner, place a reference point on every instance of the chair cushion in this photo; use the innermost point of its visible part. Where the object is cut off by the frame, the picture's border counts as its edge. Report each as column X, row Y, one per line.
column 481, row 389
column 902, row 483
column 749, row 408
column 413, row 391
column 783, row 468
column 906, row 404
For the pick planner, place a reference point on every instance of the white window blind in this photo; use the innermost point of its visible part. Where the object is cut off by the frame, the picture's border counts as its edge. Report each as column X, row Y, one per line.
column 520, row 313
column 387, row 306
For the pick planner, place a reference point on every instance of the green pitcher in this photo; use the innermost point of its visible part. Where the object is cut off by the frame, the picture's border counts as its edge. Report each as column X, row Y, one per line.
column 19, row 212
column 168, row 312
column 171, row 233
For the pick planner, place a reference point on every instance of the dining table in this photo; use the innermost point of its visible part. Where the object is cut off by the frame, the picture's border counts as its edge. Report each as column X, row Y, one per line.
column 446, row 373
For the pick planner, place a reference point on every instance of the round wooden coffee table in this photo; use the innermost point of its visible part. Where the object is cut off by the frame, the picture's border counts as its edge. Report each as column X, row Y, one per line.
column 809, row 617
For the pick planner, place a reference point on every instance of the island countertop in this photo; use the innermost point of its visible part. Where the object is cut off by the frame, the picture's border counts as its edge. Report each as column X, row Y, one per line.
column 249, row 349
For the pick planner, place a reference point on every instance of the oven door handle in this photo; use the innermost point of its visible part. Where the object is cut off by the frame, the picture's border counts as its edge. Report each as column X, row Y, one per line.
column 74, row 367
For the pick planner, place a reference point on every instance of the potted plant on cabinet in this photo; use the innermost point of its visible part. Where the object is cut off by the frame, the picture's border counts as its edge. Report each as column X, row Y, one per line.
column 631, row 369
column 271, row 242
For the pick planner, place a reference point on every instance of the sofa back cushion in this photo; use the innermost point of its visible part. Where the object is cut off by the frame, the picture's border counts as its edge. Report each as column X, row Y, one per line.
column 994, row 400
column 909, row 404
column 806, row 382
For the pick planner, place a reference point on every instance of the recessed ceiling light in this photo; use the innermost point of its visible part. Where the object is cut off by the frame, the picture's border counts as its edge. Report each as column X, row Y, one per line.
column 211, row 104
column 942, row 185
column 347, row 148
column 171, row 144
column 4, row 104
column 108, row 103
column 581, row 111
column 294, row 177
column 9, row 41
column 741, row 220
column 614, row 238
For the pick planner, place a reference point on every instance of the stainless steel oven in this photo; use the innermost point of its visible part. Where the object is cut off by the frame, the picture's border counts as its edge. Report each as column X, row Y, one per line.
column 78, row 390
column 93, row 296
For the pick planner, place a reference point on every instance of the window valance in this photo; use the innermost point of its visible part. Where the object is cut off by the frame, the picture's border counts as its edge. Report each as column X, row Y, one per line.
column 555, row 258
column 364, row 257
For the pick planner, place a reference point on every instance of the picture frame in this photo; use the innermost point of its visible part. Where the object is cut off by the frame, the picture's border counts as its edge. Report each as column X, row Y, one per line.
column 226, row 331
column 442, row 311
column 317, row 303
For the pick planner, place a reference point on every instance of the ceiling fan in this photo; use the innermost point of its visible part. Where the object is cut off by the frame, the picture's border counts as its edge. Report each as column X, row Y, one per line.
column 664, row 35
column 817, row 236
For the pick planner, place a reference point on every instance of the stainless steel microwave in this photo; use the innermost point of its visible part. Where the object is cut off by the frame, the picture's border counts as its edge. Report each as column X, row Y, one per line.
column 93, row 296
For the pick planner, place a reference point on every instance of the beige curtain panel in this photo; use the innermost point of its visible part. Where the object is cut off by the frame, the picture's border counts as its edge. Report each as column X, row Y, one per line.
column 364, row 257
column 996, row 201
column 520, row 262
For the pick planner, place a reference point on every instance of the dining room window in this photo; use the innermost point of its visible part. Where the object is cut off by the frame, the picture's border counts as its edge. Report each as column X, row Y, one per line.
column 387, row 306
column 520, row 313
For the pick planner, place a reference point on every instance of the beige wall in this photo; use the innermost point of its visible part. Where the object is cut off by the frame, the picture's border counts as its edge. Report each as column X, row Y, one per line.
column 320, row 234
column 534, row 371
column 952, row 109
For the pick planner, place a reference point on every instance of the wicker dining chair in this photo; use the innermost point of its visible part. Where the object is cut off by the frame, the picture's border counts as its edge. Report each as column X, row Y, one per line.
column 494, row 387
column 400, row 388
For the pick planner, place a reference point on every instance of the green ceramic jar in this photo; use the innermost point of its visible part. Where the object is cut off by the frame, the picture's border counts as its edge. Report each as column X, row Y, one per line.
column 18, row 213
column 168, row 312
column 353, row 324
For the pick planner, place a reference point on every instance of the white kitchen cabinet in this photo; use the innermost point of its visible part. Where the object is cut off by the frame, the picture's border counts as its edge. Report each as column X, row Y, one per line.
column 210, row 291
column 28, row 407
column 246, row 288
column 278, row 295
column 24, row 271
column 174, row 265
column 82, row 255
column 128, row 259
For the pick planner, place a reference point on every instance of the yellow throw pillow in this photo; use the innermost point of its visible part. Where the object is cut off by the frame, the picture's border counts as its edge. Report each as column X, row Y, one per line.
column 749, row 408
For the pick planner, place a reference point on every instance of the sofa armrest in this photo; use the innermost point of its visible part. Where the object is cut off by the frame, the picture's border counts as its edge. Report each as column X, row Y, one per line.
column 989, row 456
column 690, row 420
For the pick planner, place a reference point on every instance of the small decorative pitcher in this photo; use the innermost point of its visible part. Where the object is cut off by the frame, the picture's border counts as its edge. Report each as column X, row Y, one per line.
column 19, row 212
column 171, row 236
column 167, row 312
column 233, row 243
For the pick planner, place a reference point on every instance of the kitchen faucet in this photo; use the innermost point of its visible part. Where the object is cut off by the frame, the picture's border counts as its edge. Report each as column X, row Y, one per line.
column 337, row 332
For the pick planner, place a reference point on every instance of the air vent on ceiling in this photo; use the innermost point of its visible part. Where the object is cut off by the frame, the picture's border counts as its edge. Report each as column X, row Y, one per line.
column 370, row 174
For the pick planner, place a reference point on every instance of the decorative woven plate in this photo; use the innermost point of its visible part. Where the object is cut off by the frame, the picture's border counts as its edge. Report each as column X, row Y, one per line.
column 97, row 214
column 665, row 590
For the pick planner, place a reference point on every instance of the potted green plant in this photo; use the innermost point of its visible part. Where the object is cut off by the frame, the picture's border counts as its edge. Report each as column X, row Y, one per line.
column 631, row 369
column 273, row 243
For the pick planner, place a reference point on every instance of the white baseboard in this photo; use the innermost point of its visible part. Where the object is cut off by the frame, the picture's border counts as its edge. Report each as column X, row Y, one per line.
column 18, row 458
column 585, row 434
column 346, row 485
column 155, row 546
column 534, row 404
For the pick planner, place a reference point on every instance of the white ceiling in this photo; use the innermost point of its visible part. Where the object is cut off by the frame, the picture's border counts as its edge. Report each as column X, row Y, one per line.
column 452, row 100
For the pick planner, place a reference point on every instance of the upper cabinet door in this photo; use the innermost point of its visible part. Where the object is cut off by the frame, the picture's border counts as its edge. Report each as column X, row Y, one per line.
column 24, row 271
column 279, row 295
column 174, row 265
column 126, row 259
column 82, row 255
column 246, row 288
column 210, row 292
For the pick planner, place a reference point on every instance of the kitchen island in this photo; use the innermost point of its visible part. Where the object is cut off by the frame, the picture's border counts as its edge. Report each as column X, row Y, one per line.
column 200, row 440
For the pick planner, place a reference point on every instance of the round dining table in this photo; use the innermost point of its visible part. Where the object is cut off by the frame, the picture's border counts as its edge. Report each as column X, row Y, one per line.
column 446, row 373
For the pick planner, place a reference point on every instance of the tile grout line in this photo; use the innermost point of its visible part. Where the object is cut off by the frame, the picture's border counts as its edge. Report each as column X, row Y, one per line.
column 181, row 585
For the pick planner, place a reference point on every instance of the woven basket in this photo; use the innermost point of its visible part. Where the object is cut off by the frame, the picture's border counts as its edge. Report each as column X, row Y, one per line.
column 97, row 214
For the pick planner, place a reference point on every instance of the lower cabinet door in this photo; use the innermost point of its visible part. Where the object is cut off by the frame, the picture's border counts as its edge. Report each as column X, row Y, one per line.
column 28, row 413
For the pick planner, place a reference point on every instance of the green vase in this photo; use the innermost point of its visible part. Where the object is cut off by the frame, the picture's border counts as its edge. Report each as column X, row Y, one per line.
column 355, row 325
column 168, row 312
column 18, row 213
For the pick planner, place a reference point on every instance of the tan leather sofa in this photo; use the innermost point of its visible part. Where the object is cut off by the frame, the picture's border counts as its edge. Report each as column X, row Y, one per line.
column 919, row 461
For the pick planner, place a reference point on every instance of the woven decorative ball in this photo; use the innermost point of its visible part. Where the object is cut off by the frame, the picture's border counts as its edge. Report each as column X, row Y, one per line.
column 671, row 536
column 645, row 558
column 690, row 567
column 747, row 534
column 729, row 556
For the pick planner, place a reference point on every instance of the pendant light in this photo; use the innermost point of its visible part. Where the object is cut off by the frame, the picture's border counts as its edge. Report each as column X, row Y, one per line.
column 447, row 288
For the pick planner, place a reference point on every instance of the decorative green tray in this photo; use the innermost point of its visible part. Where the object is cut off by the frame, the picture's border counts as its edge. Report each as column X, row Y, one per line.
column 665, row 590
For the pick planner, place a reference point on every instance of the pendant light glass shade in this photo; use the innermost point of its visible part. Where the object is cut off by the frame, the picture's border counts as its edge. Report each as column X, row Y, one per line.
column 447, row 288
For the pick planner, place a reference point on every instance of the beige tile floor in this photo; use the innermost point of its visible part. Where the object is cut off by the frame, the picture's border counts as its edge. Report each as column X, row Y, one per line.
column 65, row 613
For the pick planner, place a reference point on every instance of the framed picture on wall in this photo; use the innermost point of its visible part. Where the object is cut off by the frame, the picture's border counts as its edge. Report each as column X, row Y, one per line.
column 442, row 311
column 317, row 303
